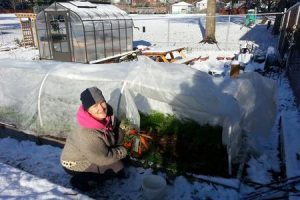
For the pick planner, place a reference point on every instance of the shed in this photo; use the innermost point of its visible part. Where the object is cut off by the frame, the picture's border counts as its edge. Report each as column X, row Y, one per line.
column 83, row 31
column 182, row 8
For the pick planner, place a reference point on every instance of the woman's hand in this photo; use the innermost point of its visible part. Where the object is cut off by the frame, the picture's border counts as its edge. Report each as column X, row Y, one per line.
column 121, row 152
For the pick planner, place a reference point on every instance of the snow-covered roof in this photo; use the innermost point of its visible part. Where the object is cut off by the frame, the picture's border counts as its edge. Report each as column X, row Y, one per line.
column 202, row 1
column 182, row 3
column 88, row 11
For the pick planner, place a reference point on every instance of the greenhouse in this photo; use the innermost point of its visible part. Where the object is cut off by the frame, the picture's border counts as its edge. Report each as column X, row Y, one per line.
column 42, row 97
column 83, row 31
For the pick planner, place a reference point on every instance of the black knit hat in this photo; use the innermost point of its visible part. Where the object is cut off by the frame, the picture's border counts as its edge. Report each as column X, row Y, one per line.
column 90, row 96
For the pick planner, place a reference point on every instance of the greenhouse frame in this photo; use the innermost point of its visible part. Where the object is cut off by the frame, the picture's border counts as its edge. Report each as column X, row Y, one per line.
column 83, row 32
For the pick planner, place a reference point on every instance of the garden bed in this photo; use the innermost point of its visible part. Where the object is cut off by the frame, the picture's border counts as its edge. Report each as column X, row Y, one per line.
column 179, row 147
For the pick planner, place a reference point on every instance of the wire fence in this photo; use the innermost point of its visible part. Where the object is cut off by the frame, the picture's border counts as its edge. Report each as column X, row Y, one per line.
column 189, row 31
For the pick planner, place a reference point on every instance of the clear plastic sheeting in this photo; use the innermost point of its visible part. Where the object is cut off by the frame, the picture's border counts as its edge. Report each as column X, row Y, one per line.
column 43, row 96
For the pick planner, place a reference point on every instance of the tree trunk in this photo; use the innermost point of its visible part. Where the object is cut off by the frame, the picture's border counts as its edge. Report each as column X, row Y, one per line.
column 210, row 23
column 269, row 5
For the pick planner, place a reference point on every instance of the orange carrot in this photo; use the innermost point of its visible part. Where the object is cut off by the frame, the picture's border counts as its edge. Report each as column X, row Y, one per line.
column 132, row 132
column 127, row 145
column 144, row 142
column 140, row 149
column 146, row 136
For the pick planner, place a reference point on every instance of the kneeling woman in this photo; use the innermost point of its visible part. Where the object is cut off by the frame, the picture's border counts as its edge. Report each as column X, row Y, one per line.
column 95, row 148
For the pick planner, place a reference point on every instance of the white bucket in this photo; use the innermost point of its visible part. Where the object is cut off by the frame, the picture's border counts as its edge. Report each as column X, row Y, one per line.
column 154, row 187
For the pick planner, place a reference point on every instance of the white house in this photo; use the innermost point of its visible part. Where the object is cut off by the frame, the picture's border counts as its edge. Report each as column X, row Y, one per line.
column 182, row 8
column 201, row 5
column 163, row 1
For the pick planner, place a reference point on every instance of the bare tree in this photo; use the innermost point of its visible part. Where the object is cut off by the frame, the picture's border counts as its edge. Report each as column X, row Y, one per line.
column 210, row 27
column 13, row 4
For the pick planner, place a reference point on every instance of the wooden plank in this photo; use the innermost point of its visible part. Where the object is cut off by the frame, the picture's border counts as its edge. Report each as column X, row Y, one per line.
column 111, row 58
column 162, row 53
column 26, row 15
column 151, row 53
column 164, row 59
column 182, row 54
column 186, row 61
column 7, row 130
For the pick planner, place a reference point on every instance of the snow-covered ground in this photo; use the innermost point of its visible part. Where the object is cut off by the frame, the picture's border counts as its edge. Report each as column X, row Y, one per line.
column 41, row 171
column 189, row 30
column 29, row 171
column 9, row 29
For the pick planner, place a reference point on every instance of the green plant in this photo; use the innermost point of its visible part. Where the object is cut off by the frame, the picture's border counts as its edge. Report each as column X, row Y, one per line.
column 182, row 145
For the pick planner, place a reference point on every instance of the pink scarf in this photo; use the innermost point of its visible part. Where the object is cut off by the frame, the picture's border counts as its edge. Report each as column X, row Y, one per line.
column 85, row 120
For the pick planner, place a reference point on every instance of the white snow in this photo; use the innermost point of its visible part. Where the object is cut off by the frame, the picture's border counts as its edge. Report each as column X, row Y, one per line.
column 43, row 177
column 29, row 171
column 9, row 29
column 16, row 183
column 290, row 130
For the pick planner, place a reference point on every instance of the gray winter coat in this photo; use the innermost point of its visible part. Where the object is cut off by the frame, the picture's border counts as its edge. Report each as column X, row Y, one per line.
column 90, row 150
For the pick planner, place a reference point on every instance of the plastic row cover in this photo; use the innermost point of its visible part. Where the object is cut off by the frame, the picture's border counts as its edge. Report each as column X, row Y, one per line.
column 43, row 96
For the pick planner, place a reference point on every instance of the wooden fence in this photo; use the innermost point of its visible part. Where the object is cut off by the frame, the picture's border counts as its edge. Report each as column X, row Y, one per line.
column 289, row 47
column 4, row 11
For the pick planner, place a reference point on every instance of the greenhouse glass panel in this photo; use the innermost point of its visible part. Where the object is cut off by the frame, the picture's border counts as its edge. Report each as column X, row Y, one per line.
column 111, row 13
column 102, row 14
column 122, row 23
column 83, row 31
column 43, row 44
column 90, row 40
column 56, row 7
column 100, row 45
column 108, row 38
column 108, row 43
column 107, row 25
column 116, row 41
column 83, row 15
column 116, row 36
column 78, row 43
column 95, row 14
column 123, row 40
column 81, row 12
column 44, row 47
column 122, row 30
column 129, row 32
column 90, row 45
column 129, row 23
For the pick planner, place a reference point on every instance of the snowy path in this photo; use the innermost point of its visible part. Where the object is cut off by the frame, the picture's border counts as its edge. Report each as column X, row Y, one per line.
column 265, row 168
